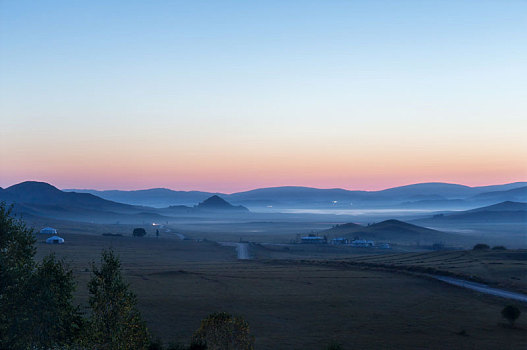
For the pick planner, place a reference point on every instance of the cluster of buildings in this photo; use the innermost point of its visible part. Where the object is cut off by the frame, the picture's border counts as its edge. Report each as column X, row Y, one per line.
column 53, row 239
column 360, row 243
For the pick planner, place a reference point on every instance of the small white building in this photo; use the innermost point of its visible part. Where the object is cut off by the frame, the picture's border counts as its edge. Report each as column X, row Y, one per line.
column 362, row 243
column 48, row 231
column 55, row 240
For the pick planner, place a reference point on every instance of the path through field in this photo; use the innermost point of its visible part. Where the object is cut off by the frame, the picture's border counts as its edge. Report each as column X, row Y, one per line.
column 482, row 288
column 242, row 249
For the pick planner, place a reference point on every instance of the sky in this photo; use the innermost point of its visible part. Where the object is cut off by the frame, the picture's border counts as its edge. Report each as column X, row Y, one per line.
column 235, row 95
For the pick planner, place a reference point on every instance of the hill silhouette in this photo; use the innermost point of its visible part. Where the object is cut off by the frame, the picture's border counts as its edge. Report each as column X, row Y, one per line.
column 394, row 231
column 504, row 212
column 433, row 194
column 41, row 193
column 503, row 206
column 216, row 203
column 40, row 199
column 515, row 194
column 154, row 197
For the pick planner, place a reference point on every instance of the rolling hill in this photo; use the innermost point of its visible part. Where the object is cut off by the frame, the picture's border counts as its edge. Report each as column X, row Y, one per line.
column 515, row 194
column 216, row 203
column 40, row 199
column 41, row 193
column 393, row 231
column 154, row 197
column 505, row 212
column 432, row 195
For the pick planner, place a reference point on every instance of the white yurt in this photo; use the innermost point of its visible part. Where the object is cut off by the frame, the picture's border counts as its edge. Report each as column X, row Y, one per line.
column 48, row 231
column 55, row 240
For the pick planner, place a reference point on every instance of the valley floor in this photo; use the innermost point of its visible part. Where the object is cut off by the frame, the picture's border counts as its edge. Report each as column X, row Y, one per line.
column 293, row 306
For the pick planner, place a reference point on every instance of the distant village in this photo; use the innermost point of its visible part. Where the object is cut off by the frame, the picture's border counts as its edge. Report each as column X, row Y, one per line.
column 359, row 243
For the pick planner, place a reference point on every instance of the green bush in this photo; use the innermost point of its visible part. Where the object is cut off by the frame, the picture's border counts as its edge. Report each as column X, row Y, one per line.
column 221, row 331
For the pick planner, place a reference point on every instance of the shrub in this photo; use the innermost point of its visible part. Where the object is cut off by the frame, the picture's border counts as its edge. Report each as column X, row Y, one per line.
column 499, row 247
column 511, row 314
column 481, row 246
column 139, row 232
column 334, row 346
column 221, row 331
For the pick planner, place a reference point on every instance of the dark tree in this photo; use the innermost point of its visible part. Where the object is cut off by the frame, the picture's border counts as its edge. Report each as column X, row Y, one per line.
column 499, row 247
column 16, row 268
column 55, row 320
column 481, row 246
column 511, row 314
column 115, row 322
column 139, row 232
column 36, row 308
column 221, row 331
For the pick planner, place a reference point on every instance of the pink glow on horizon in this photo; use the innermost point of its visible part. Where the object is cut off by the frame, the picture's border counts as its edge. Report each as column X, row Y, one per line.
column 232, row 168
column 365, row 184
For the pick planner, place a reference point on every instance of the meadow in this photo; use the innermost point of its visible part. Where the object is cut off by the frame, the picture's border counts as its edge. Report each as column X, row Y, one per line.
column 290, row 304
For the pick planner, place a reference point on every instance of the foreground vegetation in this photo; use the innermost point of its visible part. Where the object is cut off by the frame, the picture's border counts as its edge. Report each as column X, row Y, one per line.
column 178, row 283
column 37, row 311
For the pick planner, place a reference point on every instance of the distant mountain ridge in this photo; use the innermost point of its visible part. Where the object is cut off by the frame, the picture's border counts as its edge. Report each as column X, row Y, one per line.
column 42, row 193
column 154, row 197
column 40, row 199
column 433, row 194
column 504, row 212
column 515, row 194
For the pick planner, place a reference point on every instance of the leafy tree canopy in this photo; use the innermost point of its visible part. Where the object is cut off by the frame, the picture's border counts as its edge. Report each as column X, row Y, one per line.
column 222, row 331
column 115, row 322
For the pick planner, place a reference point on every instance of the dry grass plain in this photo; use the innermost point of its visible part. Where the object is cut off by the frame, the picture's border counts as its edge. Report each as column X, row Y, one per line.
column 293, row 306
column 502, row 268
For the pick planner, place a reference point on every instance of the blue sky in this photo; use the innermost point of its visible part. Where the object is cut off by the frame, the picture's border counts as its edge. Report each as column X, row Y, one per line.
column 417, row 85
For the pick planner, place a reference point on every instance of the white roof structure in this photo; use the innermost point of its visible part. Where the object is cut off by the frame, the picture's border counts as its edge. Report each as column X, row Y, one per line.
column 48, row 231
column 55, row 240
column 362, row 243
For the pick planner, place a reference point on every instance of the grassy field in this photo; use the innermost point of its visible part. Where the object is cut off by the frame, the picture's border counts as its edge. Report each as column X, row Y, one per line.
column 291, row 305
column 506, row 269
